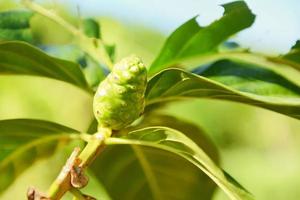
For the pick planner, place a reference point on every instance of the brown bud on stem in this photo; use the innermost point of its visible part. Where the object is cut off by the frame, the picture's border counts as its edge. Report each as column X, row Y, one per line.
column 34, row 194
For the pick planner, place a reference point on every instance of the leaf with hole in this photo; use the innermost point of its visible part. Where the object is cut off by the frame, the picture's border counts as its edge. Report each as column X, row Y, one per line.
column 191, row 40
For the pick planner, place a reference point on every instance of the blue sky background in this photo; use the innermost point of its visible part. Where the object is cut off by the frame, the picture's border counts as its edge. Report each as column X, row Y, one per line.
column 276, row 28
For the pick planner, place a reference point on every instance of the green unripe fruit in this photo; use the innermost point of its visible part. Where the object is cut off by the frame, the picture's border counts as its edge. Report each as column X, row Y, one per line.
column 120, row 98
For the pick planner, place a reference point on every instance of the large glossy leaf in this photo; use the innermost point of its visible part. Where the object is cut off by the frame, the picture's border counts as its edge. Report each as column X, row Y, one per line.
column 153, row 178
column 134, row 173
column 23, row 141
column 228, row 80
column 22, row 58
column 190, row 39
column 172, row 141
column 147, row 173
column 15, row 25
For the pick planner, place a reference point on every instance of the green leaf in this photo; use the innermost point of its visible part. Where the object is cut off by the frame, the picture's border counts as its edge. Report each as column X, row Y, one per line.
column 111, row 51
column 91, row 28
column 190, row 39
column 93, row 72
column 134, row 173
column 15, row 19
column 296, row 45
column 22, row 58
column 277, row 64
column 228, row 80
column 23, row 141
column 15, row 25
column 176, row 41
column 18, row 34
column 237, row 16
column 173, row 141
column 16, row 132
column 294, row 54
column 192, row 181
column 93, row 127
column 191, row 130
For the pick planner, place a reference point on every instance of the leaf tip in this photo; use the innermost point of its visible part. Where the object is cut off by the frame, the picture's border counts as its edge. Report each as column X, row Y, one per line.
column 238, row 6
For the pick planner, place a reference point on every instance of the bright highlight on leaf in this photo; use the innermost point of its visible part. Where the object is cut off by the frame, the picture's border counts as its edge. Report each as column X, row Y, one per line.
column 227, row 80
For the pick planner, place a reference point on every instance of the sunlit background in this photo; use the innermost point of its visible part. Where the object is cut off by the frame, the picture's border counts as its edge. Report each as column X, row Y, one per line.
column 259, row 148
column 276, row 27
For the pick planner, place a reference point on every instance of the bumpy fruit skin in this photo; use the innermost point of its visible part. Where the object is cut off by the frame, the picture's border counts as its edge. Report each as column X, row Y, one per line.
column 120, row 98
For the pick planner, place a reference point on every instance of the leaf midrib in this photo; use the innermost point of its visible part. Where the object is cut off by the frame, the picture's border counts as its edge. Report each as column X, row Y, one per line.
column 152, row 181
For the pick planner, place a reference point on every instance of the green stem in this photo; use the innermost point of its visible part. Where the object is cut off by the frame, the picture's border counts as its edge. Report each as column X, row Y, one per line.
column 62, row 183
column 94, row 147
column 92, row 46
column 51, row 15
column 77, row 194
